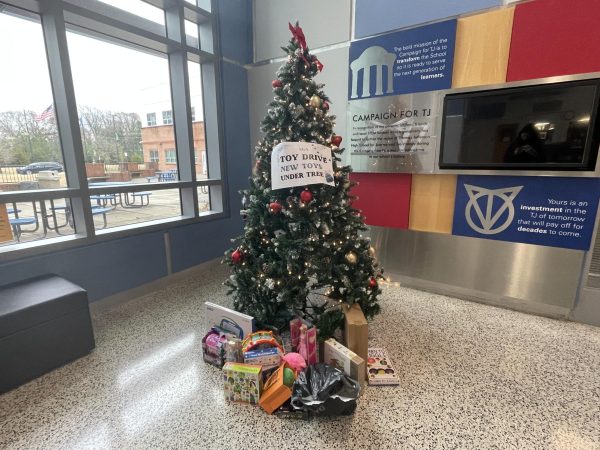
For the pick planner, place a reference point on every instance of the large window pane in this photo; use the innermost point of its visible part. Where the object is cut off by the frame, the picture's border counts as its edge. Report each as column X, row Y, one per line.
column 198, row 120
column 124, row 102
column 29, row 143
column 203, row 199
column 27, row 221
column 122, row 209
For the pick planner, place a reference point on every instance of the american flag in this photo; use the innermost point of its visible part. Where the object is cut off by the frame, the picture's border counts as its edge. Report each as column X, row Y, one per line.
column 48, row 112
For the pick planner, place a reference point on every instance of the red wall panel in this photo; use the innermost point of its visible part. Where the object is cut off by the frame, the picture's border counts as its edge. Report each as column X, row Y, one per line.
column 554, row 37
column 384, row 198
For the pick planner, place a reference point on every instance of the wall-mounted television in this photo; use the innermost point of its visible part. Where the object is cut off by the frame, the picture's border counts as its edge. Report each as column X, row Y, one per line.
column 551, row 126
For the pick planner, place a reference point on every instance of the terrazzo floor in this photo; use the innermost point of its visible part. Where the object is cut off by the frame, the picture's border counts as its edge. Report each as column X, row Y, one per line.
column 472, row 376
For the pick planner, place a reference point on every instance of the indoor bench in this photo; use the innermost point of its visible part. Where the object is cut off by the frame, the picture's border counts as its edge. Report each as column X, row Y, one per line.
column 44, row 323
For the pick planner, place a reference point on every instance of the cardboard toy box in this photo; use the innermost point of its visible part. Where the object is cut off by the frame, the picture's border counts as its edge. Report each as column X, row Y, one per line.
column 356, row 331
column 242, row 382
column 346, row 360
column 230, row 321
column 276, row 393
column 380, row 369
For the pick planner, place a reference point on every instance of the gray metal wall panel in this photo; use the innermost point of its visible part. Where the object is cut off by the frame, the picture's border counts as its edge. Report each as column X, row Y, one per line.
column 528, row 277
column 323, row 22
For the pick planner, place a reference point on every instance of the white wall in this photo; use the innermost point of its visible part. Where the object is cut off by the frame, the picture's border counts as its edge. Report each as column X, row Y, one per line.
column 324, row 23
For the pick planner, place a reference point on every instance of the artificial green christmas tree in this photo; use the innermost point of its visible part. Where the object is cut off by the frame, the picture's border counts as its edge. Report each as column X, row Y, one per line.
column 301, row 253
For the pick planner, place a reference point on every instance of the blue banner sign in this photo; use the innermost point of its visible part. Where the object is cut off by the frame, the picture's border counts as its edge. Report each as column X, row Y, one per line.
column 554, row 212
column 415, row 60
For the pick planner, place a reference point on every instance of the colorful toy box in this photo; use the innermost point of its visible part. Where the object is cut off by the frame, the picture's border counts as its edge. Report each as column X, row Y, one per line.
column 346, row 360
column 213, row 343
column 232, row 322
column 276, row 393
column 295, row 325
column 242, row 382
column 308, row 346
column 268, row 358
column 380, row 369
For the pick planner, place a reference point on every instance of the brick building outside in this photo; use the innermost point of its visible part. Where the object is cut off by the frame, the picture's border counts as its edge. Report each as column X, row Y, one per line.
column 158, row 145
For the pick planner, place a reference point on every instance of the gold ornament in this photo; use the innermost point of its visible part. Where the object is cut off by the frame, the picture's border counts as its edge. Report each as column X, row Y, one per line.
column 372, row 252
column 351, row 258
column 315, row 101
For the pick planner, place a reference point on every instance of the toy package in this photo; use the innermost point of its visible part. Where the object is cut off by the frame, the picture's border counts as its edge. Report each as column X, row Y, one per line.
column 268, row 358
column 278, row 388
column 295, row 325
column 213, row 347
column 308, row 346
column 336, row 355
column 261, row 339
column 230, row 321
column 242, row 382
column 380, row 369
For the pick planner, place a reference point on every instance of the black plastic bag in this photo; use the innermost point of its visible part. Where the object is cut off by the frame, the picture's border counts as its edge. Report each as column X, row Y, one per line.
column 324, row 390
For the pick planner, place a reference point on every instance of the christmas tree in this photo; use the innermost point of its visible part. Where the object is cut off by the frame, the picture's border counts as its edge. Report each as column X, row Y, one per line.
column 301, row 253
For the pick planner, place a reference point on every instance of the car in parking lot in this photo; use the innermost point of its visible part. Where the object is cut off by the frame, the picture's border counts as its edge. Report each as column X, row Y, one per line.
column 39, row 166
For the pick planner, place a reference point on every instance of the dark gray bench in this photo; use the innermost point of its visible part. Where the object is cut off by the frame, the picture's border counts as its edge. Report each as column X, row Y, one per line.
column 44, row 323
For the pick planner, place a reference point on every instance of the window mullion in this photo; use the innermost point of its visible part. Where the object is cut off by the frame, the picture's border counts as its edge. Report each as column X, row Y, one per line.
column 184, row 138
column 66, row 113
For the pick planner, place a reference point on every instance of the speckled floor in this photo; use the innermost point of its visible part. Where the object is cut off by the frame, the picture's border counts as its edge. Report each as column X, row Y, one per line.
column 472, row 376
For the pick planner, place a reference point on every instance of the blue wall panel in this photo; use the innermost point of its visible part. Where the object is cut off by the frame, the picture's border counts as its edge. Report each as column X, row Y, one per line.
column 378, row 16
column 195, row 244
column 103, row 269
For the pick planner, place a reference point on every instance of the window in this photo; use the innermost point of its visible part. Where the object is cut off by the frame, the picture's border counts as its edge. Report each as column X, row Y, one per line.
column 170, row 156
column 151, row 119
column 119, row 81
column 139, row 8
column 28, row 133
column 122, row 97
column 195, row 76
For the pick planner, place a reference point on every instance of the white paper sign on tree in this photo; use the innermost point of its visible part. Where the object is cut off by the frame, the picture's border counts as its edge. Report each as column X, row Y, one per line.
column 300, row 164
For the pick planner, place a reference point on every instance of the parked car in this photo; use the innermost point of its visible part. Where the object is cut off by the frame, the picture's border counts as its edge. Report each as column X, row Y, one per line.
column 39, row 166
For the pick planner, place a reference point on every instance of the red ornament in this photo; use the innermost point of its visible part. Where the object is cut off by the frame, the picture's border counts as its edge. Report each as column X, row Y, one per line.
column 276, row 84
column 372, row 283
column 236, row 256
column 336, row 140
column 325, row 106
column 275, row 207
column 306, row 196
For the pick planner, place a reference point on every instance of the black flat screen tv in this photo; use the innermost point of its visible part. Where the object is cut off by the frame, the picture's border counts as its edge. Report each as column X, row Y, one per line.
column 541, row 127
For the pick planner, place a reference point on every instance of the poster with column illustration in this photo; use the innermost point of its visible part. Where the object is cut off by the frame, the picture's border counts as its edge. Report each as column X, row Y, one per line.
column 393, row 98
